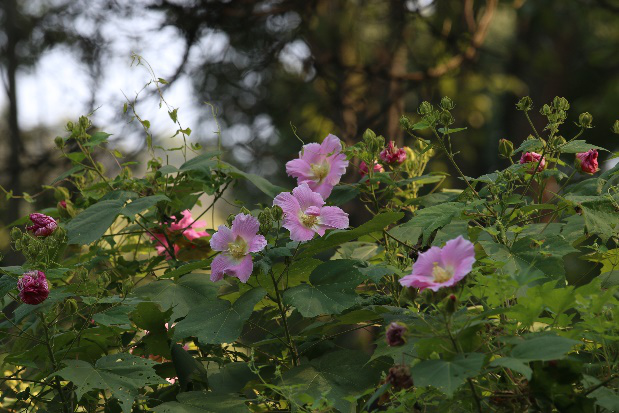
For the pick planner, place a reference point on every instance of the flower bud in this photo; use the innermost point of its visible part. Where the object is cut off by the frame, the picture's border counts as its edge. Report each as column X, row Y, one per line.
column 405, row 122
column 277, row 213
column 70, row 126
column 615, row 128
column 425, row 108
column 446, row 119
column 560, row 103
column 70, row 306
column 524, row 104
column 59, row 142
column 533, row 158
column 230, row 219
column 400, row 377
column 545, row 110
column 392, row 154
column 368, row 136
column 396, row 334
column 447, row 103
column 587, row 162
column 585, row 120
column 506, row 148
column 451, row 304
column 363, row 168
column 558, row 141
column 33, row 287
column 16, row 234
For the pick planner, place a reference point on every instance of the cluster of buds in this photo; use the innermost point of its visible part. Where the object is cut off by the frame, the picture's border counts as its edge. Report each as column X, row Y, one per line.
column 267, row 217
column 42, row 240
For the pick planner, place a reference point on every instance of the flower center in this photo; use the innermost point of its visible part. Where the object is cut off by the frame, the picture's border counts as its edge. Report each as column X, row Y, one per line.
column 308, row 220
column 441, row 274
column 238, row 248
column 320, row 170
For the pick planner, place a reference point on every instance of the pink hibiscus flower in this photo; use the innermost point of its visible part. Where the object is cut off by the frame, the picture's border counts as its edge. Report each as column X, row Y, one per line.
column 392, row 154
column 185, row 227
column 42, row 226
column 320, row 166
column 236, row 244
column 442, row 267
column 533, row 158
column 306, row 215
column 588, row 161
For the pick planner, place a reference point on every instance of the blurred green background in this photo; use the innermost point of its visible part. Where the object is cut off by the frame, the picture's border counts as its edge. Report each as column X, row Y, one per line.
column 320, row 66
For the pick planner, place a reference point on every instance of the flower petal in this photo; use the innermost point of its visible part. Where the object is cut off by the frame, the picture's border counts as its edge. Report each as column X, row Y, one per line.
column 330, row 145
column 333, row 217
column 311, row 153
column 288, row 203
column 299, row 168
column 218, row 266
column 220, row 240
column 425, row 262
column 256, row 244
column 245, row 226
column 459, row 254
column 306, row 197
column 298, row 232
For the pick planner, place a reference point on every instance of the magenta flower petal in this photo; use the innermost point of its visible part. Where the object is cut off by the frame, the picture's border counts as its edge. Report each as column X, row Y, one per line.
column 298, row 232
column 220, row 240
column 288, row 203
column 459, row 254
column 306, row 197
column 588, row 161
column 33, row 287
column 245, row 226
column 334, row 217
column 257, row 243
column 298, row 168
column 425, row 261
column 43, row 225
column 223, row 264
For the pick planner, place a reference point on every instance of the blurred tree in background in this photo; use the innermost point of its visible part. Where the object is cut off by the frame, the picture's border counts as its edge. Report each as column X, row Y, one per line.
column 341, row 66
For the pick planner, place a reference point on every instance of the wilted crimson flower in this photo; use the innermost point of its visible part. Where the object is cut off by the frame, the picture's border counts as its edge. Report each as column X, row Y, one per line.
column 43, row 225
column 396, row 334
column 400, row 377
column 442, row 267
column 392, row 154
column 363, row 168
column 33, row 287
column 533, row 157
column 62, row 204
column 588, row 161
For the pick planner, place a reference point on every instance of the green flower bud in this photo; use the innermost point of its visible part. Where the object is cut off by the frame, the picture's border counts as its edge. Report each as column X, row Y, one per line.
column 70, row 306
column 245, row 211
column 447, row 103
column 230, row 219
column 59, row 142
column 585, row 120
column 425, row 108
column 558, row 141
column 277, row 213
column 451, row 304
column 615, row 128
column 84, row 122
column 446, row 119
column 560, row 103
column 506, row 148
column 545, row 110
column 70, row 126
column 16, row 234
column 265, row 216
column 368, row 136
column 405, row 122
column 524, row 104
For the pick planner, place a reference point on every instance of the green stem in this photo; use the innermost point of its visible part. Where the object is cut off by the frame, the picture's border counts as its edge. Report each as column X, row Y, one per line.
column 282, row 311
column 65, row 408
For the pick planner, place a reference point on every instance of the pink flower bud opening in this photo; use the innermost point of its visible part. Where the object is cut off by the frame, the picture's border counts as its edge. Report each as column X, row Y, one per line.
column 533, row 158
column 33, row 287
column 588, row 161
column 392, row 154
column 43, row 225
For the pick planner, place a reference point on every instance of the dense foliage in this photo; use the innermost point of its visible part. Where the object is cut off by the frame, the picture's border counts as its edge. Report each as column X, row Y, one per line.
column 126, row 301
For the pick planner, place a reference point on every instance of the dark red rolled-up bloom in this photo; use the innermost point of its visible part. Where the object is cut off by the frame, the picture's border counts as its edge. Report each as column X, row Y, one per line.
column 588, row 161
column 396, row 334
column 33, row 287
column 392, row 154
column 43, row 225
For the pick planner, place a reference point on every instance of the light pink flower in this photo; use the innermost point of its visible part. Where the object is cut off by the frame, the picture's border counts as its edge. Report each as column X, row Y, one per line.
column 588, row 161
column 442, row 267
column 533, row 158
column 185, row 227
column 236, row 244
column 320, row 166
column 306, row 215
column 43, row 225
column 363, row 168
column 33, row 287
column 392, row 154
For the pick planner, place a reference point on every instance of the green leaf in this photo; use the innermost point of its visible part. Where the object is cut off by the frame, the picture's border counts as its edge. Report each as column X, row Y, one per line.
column 335, row 238
column 204, row 162
column 262, row 184
column 448, row 131
column 337, row 377
column 92, row 223
column 135, row 207
column 530, row 145
column 97, row 138
column 7, row 283
column 219, row 321
column 447, row 375
column 187, row 268
column 231, row 378
column 117, row 316
column 181, row 295
column 121, row 374
column 203, row 402
column 331, row 289
column 66, row 174
column 579, row 146
column 516, row 365
column 185, row 366
column 342, row 194
column 542, row 347
column 428, row 220
column 600, row 212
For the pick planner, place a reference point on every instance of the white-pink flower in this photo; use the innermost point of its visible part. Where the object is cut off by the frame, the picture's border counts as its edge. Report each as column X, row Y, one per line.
column 236, row 244
column 320, row 166
column 306, row 215
column 442, row 267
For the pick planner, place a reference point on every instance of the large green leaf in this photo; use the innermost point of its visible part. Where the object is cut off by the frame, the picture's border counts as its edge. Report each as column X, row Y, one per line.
column 335, row 377
column 600, row 212
column 218, row 321
column 182, row 295
column 120, row 374
column 542, row 347
column 335, row 238
column 427, row 221
column 203, row 402
column 331, row 289
column 91, row 224
column 7, row 283
column 447, row 375
column 579, row 146
column 203, row 163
